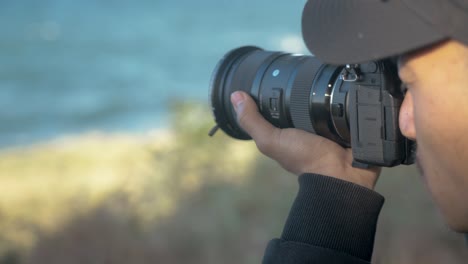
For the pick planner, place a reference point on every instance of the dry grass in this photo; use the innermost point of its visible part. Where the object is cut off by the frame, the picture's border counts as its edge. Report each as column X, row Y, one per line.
column 179, row 197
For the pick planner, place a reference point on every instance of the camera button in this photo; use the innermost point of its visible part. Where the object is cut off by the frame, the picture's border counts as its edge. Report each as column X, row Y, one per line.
column 337, row 110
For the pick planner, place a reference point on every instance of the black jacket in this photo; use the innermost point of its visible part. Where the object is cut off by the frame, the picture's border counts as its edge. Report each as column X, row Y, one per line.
column 331, row 221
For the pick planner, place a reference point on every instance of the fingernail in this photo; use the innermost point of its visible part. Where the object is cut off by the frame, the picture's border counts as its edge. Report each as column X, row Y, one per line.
column 237, row 99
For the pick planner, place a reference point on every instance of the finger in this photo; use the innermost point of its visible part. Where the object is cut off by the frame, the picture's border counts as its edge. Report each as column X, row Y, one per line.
column 249, row 118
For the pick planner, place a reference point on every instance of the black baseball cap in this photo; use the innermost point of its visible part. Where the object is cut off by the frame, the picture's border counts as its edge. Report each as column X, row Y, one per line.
column 353, row 31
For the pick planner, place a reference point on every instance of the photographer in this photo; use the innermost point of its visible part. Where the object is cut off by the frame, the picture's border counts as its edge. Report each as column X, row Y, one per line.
column 334, row 216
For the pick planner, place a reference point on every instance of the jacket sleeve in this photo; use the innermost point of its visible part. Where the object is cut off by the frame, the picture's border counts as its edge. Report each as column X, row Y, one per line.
column 331, row 221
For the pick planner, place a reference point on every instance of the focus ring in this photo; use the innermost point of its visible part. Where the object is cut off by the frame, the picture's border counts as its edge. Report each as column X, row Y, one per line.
column 301, row 92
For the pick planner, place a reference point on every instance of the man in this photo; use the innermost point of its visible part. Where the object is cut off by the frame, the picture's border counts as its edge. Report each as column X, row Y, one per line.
column 333, row 218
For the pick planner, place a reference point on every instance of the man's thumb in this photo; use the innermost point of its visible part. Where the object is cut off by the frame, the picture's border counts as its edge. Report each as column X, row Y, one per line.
column 249, row 117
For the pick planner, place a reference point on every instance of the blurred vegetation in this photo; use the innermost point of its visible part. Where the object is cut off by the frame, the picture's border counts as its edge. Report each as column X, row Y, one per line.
column 178, row 196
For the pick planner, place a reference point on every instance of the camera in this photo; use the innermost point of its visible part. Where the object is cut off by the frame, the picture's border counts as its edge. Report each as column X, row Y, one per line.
column 354, row 105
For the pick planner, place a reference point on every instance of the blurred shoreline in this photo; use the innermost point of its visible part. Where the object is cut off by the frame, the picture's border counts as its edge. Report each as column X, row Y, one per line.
column 150, row 136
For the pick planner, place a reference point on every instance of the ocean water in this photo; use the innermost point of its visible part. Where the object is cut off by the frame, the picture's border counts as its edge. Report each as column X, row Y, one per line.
column 69, row 66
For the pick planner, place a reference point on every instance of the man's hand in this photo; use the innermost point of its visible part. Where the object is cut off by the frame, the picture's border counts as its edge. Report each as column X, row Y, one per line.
column 298, row 151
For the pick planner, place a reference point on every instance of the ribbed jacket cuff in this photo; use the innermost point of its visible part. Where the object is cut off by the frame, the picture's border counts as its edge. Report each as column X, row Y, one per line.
column 334, row 214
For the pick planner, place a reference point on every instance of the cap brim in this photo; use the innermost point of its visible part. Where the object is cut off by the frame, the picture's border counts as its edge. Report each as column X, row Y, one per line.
column 354, row 31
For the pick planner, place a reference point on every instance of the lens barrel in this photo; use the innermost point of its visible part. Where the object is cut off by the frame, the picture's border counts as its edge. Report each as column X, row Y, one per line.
column 291, row 91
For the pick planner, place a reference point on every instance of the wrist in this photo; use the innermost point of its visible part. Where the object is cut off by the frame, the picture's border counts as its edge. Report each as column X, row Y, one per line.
column 340, row 166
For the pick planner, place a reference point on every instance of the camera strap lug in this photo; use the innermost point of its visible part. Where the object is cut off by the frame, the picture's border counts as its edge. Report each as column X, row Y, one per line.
column 351, row 73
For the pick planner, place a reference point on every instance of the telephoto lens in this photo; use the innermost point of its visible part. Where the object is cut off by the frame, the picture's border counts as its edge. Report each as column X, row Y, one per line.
column 291, row 91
